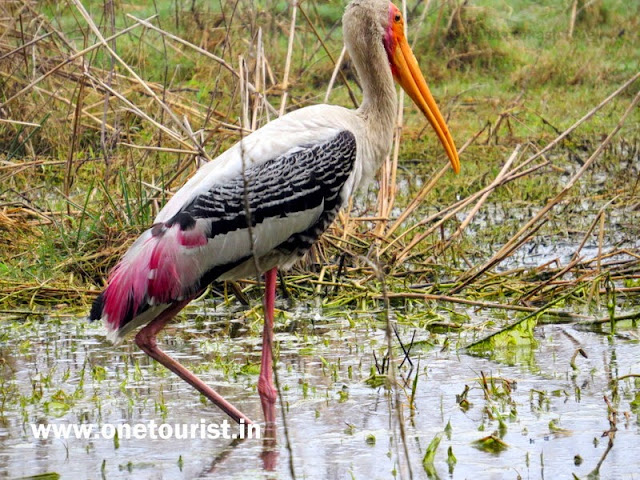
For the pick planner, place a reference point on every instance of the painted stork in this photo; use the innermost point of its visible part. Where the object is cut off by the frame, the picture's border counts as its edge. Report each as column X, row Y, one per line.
column 263, row 203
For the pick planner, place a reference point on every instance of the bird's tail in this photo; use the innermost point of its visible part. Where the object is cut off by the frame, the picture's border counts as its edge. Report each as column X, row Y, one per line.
column 148, row 275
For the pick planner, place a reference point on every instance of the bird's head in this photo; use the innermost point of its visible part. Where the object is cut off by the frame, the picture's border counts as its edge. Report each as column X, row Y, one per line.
column 382, row 19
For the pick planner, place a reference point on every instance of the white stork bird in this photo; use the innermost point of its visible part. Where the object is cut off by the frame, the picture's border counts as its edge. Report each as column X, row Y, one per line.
column 261, row 204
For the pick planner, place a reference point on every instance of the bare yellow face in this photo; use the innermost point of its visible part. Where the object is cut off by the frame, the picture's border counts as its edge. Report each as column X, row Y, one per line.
column 406, row 71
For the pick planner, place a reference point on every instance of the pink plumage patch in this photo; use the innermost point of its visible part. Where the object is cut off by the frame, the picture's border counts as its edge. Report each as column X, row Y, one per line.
column 156, row 269
column 191, row 238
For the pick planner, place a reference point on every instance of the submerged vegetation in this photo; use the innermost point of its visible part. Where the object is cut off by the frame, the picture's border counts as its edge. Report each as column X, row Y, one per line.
column 107, row 107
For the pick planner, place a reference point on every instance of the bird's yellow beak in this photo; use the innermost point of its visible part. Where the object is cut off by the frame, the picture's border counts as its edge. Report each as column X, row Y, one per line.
column 407, row 73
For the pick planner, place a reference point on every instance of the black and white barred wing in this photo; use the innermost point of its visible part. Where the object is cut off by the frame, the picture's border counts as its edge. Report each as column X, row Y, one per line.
column 282, row 205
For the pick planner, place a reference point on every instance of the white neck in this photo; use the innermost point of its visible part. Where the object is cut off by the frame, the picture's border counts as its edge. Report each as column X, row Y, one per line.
column 379, row 102
column 363, row 33
column 379, row 105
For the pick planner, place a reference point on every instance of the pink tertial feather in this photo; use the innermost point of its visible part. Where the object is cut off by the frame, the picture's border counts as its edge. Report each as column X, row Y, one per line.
column 157, row 269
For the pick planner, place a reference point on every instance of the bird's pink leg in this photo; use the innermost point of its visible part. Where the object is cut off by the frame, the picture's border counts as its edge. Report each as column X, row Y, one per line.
column 146, row 340
column 268, row 393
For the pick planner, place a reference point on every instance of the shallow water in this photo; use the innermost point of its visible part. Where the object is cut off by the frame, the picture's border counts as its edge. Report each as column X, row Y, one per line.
column 338, row 426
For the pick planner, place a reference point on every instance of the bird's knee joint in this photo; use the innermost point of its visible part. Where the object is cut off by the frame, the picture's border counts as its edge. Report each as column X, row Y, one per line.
column 267, row 390
column 145, row 341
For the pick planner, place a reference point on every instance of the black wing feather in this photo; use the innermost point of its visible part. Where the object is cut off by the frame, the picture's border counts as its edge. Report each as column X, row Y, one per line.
column 295, row 182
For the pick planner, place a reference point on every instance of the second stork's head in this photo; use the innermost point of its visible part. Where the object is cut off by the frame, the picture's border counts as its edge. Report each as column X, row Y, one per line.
column 374, row 34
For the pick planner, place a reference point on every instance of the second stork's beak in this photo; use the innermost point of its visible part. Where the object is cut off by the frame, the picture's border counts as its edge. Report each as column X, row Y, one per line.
column 407, row 73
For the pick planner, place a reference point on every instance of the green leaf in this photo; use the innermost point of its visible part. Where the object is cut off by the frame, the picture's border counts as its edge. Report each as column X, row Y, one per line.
column 491, row 444
column 429, row 456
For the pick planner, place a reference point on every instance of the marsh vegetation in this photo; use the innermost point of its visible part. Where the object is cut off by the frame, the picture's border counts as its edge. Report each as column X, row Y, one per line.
column 512, row 288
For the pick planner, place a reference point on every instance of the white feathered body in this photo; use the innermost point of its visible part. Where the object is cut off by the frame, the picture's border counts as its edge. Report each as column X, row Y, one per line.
column 183, row 251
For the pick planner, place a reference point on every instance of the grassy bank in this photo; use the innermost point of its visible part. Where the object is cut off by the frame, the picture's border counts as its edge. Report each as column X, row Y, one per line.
column 92, row 145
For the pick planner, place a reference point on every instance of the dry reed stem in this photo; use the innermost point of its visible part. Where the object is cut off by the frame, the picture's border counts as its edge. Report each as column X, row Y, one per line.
column 287, row 65
column 449, row 212
column 159, row 149
column 591, row 228
column 334, row 74
column 418, row 26
column 424, row 191
column 140, row 81
column 476, row 303
column 68, row 174
column 468, row 278
column 336, row 64
column 572, row 21
column 19, row 122
column 498, row 180
column 66, row 62
column 244, row 95
column 606, row 320
column 601, row 241
column 389, row 173
column 134, row 109
column 207, row 54
column 258, row 75
column 540, row 286
column 25, row 45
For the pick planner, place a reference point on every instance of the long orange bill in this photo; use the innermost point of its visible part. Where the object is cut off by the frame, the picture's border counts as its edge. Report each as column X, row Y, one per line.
column 410, row 78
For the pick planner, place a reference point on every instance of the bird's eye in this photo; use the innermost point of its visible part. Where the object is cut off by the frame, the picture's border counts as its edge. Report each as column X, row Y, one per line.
column 398, row 17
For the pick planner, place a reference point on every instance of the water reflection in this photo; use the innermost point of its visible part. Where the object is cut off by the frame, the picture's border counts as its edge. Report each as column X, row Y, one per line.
column 338, row 425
